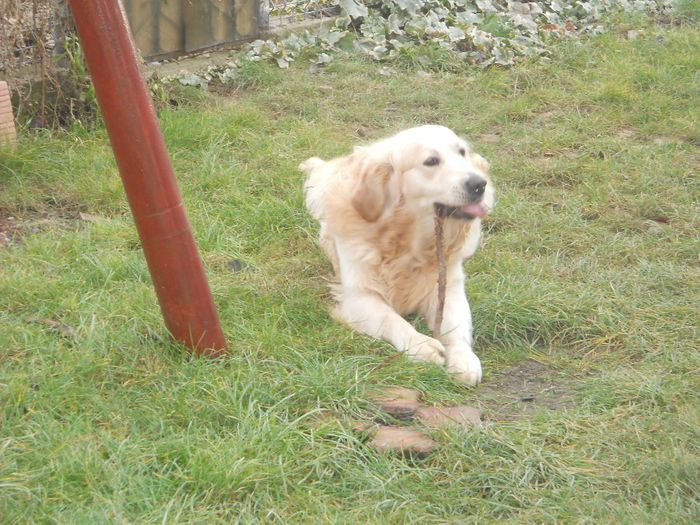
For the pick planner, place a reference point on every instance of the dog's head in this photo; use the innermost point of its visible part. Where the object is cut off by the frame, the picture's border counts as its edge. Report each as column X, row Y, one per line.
column 426, row 167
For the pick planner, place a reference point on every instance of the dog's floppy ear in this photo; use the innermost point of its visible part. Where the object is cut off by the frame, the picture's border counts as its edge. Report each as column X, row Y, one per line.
column 371, row 192
column 480, row 162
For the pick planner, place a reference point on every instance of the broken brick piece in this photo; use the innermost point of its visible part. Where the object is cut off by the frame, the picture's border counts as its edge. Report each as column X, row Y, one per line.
column 403, row 440
column 397, row 401
column 400, row 408
column 392, row 393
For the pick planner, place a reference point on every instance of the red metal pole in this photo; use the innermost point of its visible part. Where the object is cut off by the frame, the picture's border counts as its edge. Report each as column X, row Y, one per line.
column 147, row 174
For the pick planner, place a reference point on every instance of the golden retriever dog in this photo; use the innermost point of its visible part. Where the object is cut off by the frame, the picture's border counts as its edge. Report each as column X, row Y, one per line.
column 376, row 208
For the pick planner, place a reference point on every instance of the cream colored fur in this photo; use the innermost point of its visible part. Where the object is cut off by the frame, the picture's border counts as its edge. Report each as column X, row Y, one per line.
column 376, row 212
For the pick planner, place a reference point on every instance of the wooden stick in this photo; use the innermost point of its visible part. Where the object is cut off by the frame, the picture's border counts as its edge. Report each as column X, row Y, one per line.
column 442, row 272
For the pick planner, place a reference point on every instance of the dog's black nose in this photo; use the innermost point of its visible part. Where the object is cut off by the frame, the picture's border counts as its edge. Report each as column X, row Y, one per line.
column 475, row 186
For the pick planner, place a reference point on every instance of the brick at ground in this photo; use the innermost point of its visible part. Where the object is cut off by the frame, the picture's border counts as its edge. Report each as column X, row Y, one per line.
column 397, row 401
column 8, row 134
column 407, row 441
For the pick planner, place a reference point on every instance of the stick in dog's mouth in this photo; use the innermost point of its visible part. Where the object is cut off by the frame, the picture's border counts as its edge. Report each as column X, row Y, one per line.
column 440, row 214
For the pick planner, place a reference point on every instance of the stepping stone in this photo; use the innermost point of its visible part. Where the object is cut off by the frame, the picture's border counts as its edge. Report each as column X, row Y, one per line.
column 391, row 393
column 397, row 401
column 404, row 440
column 440, row 417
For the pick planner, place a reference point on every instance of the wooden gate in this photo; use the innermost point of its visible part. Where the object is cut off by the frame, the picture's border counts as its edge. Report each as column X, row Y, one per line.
column 174, row 27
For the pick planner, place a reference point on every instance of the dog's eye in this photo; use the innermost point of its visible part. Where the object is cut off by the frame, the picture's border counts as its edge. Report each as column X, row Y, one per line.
column 462, row 152
column 431, row 161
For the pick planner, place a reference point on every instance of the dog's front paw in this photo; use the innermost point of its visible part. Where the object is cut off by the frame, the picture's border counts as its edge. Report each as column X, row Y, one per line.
column 465, row 368
column 430, row 350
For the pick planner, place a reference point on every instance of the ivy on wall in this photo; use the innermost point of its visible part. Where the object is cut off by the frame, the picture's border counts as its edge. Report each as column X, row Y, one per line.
column 479, row 32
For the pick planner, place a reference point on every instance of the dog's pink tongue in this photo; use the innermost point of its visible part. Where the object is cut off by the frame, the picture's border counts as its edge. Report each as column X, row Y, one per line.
column 475, row 209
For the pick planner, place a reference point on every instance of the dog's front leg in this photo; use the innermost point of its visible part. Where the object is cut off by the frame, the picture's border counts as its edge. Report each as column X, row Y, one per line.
column 368, row 313
column 456, row 329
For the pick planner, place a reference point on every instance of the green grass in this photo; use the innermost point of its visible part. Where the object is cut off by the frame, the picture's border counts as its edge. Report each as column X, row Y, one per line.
column 590, row 266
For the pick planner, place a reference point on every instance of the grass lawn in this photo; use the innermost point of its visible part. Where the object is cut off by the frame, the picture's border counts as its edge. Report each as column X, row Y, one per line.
column 585, row 295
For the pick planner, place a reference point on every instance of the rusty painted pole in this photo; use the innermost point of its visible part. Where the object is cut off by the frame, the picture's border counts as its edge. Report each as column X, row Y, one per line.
column 147, row 173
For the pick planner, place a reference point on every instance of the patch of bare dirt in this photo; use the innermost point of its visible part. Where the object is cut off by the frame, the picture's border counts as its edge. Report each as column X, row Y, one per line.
column 8, row 229
column 524, row 389
column 16, row 225
column 488, row 138
column 626, row 133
